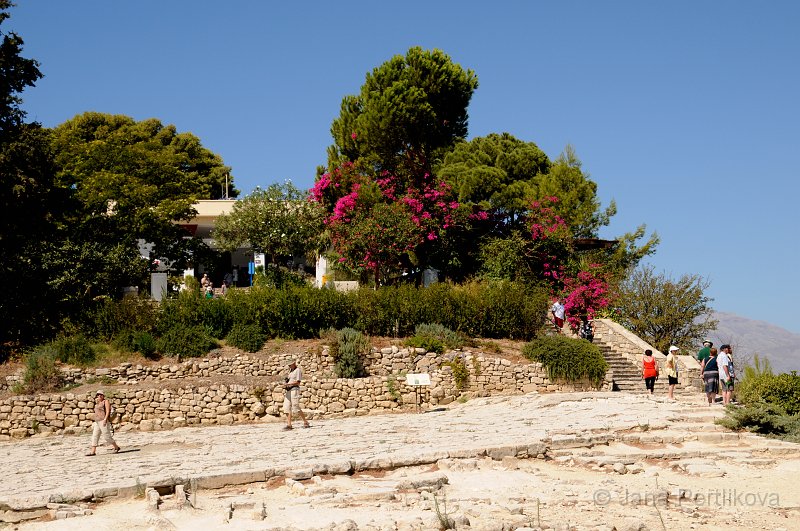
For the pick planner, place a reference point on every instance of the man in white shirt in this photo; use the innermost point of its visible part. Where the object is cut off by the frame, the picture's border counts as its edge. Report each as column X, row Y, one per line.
column 291, row 399
column 559, row 312
column 725, row 376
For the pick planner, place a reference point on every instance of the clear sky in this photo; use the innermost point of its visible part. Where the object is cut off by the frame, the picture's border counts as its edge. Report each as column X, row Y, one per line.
column 687, row 113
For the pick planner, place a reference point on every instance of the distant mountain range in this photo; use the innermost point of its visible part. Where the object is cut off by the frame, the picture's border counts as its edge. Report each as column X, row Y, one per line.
column 749, row 337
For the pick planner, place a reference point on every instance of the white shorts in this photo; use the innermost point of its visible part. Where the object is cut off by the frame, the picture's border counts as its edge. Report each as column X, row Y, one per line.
column 291, row 400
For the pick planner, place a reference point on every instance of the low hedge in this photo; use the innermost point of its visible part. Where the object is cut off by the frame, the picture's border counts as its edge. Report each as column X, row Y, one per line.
column 247, row 337
column 186, row 342
column 479, row 309
column 567, row 358
column 763, row 418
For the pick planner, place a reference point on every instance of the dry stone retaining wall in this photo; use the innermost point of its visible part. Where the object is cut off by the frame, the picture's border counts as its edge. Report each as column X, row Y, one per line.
column 262, row 398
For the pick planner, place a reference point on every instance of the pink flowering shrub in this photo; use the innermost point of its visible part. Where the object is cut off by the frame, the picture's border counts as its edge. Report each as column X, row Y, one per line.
column 586, row 294
column 551, row 240
column 544, row 223
column 376, row 224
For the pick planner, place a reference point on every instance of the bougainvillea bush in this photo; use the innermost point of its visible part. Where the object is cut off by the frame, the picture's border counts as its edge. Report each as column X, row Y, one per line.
column 384, row 225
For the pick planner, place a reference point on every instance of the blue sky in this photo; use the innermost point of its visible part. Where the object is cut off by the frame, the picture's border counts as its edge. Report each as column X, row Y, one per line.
column 686, row 112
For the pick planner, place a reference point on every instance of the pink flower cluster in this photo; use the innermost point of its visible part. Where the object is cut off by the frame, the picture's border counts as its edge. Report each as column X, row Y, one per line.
column 543, row 220
column 586, row 294
column 425, row 206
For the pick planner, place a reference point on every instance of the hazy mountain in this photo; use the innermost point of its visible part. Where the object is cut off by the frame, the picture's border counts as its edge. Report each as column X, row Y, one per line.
column 749, row 337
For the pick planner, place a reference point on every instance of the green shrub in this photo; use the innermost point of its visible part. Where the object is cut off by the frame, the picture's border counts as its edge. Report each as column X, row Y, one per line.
column 215, row 314
column 759, row 384
column 784, row 391
column 348, row 350
column 278, row 277
column 247, row 337
column 111, row 317
column 460, row 372
column 478, row 309
column 429, row 343
column 568, row 359
column 435, row 337
column 389, row 310
column 295, row 312
column 184, row 310
column 136, row 341
column 488, row 309
column 145, row 344
column 41, row 372
column 75, row 350
column 191, row 309
column 763, row 418
column 189, row 342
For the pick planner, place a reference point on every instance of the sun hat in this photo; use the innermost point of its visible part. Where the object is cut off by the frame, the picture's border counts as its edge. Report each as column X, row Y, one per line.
column 99, row 392
column 706, row 340
column 673, row 348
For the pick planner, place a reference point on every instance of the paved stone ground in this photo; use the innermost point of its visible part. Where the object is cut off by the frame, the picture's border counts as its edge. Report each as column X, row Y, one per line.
column 54, row 469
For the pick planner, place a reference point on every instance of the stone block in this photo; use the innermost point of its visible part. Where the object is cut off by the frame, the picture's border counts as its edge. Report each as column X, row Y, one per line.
column 218, row 481
column 18, row 433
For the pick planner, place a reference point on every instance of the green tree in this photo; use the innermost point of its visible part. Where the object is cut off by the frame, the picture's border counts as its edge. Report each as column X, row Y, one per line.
column 578, row 204
column 409, row 110
column 663, row 311
column 497, row 173
column 32, row 205
column 16, row 73
column 279, row 221
column 30, row 202
column 130, row 182
column 502, row 174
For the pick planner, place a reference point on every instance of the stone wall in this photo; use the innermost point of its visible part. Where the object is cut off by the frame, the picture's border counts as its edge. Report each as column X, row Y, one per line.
column 262, row 398
column 379, row 362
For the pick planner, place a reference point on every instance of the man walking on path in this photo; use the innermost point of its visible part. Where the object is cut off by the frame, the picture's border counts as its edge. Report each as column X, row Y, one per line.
column 725, row 374
column 102, row 423
column 291, row 400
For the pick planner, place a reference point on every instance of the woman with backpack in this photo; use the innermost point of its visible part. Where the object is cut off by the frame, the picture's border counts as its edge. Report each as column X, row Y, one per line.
column 711, row 376
column 102, row 423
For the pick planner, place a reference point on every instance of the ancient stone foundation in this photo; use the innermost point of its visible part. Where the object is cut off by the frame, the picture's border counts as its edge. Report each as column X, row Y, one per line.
column 173, row 405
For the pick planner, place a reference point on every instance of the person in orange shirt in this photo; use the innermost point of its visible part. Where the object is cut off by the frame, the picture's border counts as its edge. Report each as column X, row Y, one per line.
column 649, row 370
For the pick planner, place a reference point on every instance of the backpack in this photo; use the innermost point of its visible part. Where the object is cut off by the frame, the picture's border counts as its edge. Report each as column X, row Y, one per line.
column 586, row 331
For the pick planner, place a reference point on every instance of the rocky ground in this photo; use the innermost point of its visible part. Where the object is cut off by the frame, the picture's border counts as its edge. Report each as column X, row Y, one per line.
column 557, row 461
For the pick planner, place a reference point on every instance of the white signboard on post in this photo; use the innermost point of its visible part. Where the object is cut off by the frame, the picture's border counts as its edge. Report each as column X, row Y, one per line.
column 418, row 379
column 259, row 260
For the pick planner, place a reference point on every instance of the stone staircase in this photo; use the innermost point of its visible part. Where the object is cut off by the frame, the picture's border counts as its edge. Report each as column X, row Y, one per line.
column 627, row 376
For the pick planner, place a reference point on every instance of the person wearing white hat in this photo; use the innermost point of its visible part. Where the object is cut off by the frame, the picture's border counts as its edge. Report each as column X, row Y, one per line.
column 671, row 363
